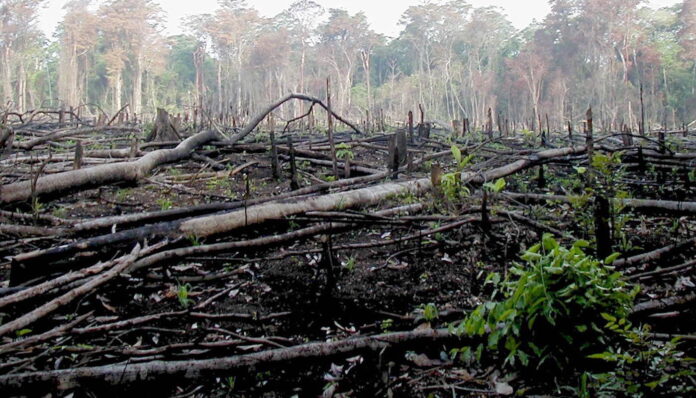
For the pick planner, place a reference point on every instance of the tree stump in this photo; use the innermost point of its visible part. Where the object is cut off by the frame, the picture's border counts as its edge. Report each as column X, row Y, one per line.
column 6, row 140
column 163, row 129
column 401, row 146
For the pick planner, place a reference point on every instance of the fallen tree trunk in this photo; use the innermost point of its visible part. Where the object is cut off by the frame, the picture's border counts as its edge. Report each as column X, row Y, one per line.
column 104, row 174
column 222, row 223
column 67, row 133
column 194, row 369
column 669, row 206
column 217, row 224
column 135, row 170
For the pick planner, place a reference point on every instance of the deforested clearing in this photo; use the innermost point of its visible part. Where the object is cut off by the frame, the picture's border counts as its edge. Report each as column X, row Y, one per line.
column 304, row 204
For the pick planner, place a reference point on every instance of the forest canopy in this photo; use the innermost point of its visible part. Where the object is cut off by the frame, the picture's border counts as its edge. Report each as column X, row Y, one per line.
column 457, row 60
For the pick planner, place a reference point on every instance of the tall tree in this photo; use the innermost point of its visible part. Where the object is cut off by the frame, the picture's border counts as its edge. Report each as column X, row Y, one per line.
column 129, row 26
column 78, row 37
column 18, row 35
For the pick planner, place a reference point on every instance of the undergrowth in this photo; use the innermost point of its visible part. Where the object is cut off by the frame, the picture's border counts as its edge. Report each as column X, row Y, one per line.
column 565, row 313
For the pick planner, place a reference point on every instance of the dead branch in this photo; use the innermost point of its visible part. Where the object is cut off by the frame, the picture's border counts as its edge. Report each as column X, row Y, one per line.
column 656, row 254
column 96, row 281
column 53, row 333
column 123, row 108
column 192, row 369
column 662, row 304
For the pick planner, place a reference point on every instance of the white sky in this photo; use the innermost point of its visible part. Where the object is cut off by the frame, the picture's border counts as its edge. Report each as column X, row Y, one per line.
column 383, row 15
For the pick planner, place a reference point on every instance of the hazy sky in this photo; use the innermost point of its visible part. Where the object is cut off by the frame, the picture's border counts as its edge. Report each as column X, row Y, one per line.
column 383, row 15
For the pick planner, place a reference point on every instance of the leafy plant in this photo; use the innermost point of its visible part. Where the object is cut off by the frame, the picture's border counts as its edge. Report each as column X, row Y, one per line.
column 182, row 294
column 60, row 212
column 497, row 186
column 451, row 183
column 350, row 264
column 551, row 306
column 462, row 162
column 164, row 203
column 230, row 382
column 386, row 324
column 218, row 182
column 36, row 207
column 452, row 186
column 430, row 312
column 343, row 151
column 194, row 240
column 642, row 367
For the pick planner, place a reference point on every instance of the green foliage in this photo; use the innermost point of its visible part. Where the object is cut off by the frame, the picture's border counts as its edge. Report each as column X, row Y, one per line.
column 194, row 240
column 292, row 224
column 529, row 137
column 23, row 332
column 350, row 264
column 60, row 212
column 230, row 382
column 164, row 203
column 219, row 182
column 36, row 206
column 182, row 293
column 462, row 162
column 343, row 151
column 386, row 324
column 642, row 367
column 452, row 186
column 550, row 311
column 497, row 186
column 430, row 312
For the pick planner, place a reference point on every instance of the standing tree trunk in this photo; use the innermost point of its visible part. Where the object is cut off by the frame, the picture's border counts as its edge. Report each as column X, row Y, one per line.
column 138, row 84
column 6, row 74
column 365, row 55
column 198, row 57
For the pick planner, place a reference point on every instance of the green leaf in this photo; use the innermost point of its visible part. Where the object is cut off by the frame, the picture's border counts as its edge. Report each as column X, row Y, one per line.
column 581, row 243
column 499, row 185
column 465, row 162
column 611, row 258
column 23, row 332
column 493, row 278
column 608, row 317
column 456, row 153
column 549, row 242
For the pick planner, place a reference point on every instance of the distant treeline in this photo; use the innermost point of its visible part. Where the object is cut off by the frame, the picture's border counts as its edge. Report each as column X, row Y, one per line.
column 456, row 60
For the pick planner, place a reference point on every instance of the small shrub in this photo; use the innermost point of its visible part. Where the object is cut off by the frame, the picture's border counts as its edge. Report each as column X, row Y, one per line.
column 182, row 294
column 550, row 314
column 642, row 367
